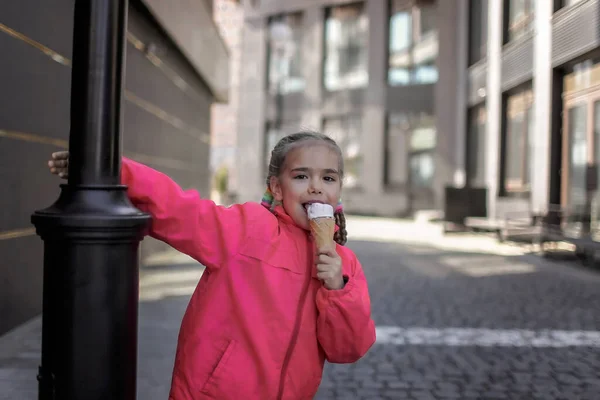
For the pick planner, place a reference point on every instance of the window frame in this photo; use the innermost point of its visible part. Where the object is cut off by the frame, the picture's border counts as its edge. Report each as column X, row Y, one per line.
column 579, row 89
column 520, row 186
column 417, row 37
column 414, row 120
column 281, row 128
column 515, row 30
column 482, row 37
column 274, row 88
column 327, row 48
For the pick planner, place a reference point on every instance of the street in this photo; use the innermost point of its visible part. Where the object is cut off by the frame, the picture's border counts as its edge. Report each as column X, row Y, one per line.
column 451, row 324
column 424, row 301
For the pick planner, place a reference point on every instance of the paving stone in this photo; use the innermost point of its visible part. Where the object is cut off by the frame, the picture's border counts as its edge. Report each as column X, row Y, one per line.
column 396, row 394
column 446, row 394
column 398, row 385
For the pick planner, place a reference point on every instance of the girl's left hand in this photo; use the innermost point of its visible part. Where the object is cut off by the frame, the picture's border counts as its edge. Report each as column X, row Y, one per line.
column 329, row 269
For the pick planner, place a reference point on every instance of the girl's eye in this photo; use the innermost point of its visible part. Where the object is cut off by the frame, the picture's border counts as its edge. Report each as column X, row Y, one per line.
column 300, row 177
column 329, row 179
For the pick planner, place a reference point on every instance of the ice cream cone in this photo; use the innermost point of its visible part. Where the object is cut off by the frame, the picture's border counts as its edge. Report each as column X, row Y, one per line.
column 323, row 230
column 322, row 223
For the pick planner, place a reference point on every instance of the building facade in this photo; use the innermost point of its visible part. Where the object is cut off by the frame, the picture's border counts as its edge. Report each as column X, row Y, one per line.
column 533, row 103
column 176, row 67
column 379, row 76
column 496, row 94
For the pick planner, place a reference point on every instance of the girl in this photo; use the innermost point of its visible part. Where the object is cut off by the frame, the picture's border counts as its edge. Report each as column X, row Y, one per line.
column 270, row 307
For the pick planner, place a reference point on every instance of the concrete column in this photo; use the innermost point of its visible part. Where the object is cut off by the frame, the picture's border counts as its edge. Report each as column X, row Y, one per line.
column 462, row 50
column 542, row 91
column 312, row 55
column 251, row 114
column 493, row 102
column 450, row 96
column 374, row 114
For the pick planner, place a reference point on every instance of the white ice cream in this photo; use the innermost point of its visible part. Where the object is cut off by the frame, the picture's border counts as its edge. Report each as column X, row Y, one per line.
column 318, row 210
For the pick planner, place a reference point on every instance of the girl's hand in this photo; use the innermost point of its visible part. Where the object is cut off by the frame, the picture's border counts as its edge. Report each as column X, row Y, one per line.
column 329, row 268
column 59, row 164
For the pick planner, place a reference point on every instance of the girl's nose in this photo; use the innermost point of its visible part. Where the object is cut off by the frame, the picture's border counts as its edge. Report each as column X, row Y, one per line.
column 315, row 186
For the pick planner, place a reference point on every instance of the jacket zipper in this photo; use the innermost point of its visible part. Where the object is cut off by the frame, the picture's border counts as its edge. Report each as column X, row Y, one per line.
column 294, row 339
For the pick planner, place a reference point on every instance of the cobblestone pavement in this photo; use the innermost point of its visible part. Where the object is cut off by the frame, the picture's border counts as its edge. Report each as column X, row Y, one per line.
column 474, row 326
column 451, row 325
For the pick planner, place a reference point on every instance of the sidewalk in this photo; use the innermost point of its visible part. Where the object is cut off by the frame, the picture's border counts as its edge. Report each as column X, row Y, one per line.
column 425, row 234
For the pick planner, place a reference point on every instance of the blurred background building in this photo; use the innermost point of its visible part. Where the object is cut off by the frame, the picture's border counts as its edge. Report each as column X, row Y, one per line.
column 177, row 66
column 496, row 94
column 368, row 73
column 533, row 111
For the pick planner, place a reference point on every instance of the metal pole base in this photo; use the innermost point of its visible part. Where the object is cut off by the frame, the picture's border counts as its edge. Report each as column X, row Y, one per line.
column 89, row 323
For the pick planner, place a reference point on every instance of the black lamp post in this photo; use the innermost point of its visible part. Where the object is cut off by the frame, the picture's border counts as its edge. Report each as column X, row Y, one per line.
column 92, row 232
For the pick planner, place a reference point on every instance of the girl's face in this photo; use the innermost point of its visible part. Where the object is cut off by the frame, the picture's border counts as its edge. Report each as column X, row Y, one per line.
column 310, row 174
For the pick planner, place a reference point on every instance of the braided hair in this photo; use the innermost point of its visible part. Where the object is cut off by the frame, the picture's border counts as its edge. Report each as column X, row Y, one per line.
column 278, row 155
column 341, row 236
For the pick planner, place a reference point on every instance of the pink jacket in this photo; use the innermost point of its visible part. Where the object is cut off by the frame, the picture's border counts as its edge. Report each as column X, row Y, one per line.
column 260, row 325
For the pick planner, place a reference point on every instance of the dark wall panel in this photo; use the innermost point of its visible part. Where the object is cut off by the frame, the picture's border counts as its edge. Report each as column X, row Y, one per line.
column 166, row 114
column 26, row 183
column 140, row 26
column 47, row 22
column 30, row 71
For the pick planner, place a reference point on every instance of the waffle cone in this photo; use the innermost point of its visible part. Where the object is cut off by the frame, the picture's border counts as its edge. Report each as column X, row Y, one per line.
column 323, row 230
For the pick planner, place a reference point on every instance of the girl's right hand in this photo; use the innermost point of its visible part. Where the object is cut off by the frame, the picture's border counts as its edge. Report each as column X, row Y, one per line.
column 59, row 164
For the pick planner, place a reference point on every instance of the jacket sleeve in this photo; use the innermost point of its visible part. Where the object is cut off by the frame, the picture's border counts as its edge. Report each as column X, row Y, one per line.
column 345, row 329
column 194, row 226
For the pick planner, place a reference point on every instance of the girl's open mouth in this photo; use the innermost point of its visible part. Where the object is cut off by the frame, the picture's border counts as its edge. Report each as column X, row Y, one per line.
column 308, row 203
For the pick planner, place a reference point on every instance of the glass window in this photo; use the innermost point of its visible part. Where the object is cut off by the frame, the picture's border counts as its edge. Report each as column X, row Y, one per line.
column 413, row 44
column 520, row 18
column 346, row 43
column 274, row 133
column 421, row 169
column 478, row 26
column 400, row 46
column 347, row 132
column 285, row 54
column 567, row 3
column 411, row 140
column 519, row 129
column 476, row 142
column 577, row 156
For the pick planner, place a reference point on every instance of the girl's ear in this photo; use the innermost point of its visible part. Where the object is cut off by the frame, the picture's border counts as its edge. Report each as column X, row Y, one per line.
column 276, row 188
